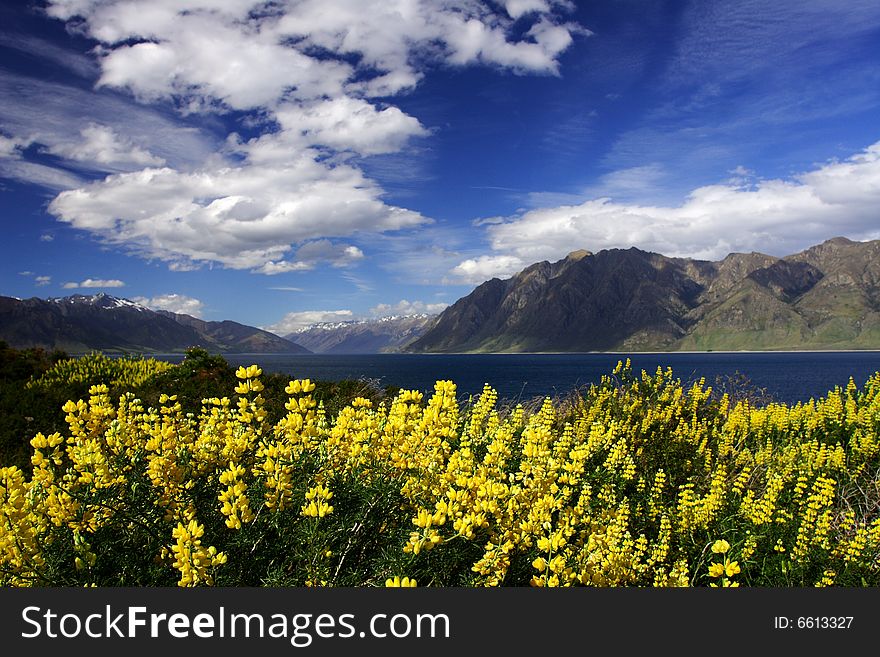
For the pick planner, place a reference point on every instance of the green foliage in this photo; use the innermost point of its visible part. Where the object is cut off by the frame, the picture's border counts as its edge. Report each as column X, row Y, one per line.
column 23, row 409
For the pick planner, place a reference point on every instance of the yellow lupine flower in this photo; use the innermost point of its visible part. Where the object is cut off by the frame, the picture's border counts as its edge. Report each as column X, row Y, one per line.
column 398, row 582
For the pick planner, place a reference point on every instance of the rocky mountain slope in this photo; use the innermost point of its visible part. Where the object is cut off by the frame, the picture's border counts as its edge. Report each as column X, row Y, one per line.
column 826, row 297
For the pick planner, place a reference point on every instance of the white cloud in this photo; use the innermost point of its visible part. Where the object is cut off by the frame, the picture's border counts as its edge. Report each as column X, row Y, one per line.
column 295, row 321
column 308, row 69
column 94, row 282
column 482, row 268
column 175, row 303
column 242, row 217
column 341, row 124
column 774, row 216
column 282, row 267
column 39, row 281
column 100, row 144
column 517, row 8
column 404, row 307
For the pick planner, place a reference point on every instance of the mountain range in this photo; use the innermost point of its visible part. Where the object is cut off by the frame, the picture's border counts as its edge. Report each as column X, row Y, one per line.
column 383, row 335
column 82, row 323
column 826, row 297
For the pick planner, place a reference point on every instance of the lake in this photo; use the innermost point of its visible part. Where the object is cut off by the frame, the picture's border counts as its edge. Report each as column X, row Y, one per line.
column 783, row 376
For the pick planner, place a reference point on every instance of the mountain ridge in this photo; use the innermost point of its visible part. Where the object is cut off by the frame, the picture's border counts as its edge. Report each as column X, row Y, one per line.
column 365, row 336
column 825, row 297
column 81, row 323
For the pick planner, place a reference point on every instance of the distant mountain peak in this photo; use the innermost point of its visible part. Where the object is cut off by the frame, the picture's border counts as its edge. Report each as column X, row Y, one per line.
column 363, row 336
column 100, row 300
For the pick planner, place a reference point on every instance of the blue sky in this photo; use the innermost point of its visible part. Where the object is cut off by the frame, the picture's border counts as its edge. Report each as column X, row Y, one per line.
column 280, row 163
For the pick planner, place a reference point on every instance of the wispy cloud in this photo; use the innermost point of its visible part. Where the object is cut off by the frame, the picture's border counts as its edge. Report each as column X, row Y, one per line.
column 743, row 75
column 70, row 122
column 78, row 63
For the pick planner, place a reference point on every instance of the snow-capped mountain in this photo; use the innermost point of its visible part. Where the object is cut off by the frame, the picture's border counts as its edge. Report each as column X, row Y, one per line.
column 369, row 336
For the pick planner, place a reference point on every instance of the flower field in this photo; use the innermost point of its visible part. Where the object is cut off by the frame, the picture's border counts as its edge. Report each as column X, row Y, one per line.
column 636, row 481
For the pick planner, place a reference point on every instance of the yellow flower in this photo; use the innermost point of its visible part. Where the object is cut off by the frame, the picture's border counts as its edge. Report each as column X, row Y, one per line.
column 716, row 570
column 250, row 372
column 731, row 569
column 720, row 547
column 397, row 582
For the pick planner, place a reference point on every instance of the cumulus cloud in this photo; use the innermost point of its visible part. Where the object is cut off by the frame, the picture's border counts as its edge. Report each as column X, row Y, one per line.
column 404, row 307
column 102, row 145
column 242, row 217
column 293, row 322
column 482, row 268
column 175, row 303
column 775, row 216
column 308, row 74
column 94, row 282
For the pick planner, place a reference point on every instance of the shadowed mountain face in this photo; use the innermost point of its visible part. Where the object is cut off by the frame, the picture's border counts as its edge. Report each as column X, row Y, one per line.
column 823, row 298
column 82, row 323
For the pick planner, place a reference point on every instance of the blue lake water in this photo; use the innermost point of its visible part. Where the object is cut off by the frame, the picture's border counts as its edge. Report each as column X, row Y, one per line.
column 783, row 376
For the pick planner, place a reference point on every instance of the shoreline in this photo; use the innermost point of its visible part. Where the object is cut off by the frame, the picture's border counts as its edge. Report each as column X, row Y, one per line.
column 491, row 353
